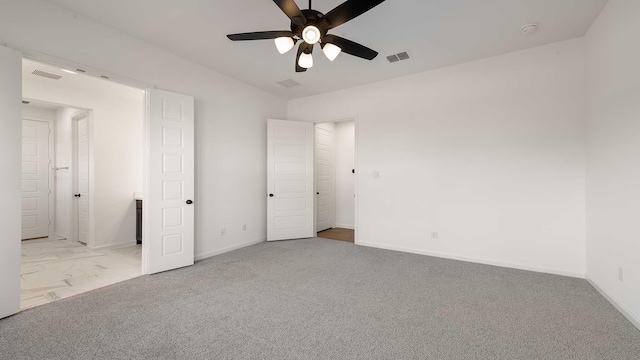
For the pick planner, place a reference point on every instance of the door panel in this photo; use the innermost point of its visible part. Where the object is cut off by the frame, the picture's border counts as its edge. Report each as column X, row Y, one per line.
column 82, row 180
column 169, row 217
column 35, row 179
column 10, row 187
column 289, row 180
column 325, row 176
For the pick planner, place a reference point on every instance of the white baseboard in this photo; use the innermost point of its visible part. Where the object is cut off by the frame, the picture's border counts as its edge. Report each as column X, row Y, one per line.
column 227, row 249
column 345, row 226
column 476, row 260
column 113, row 246
column 623, row 310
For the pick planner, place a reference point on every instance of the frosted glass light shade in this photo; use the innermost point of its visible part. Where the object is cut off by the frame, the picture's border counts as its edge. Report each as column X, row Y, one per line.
column 305, row 61
column 311, row 34
column 331, row 51
column 284, row 44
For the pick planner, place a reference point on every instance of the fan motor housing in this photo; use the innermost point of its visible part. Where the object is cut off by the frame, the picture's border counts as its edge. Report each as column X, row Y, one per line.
column 315, row 18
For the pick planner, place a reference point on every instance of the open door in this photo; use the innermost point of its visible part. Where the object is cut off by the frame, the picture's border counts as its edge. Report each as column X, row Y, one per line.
column 168, row 202
column 290, row 180
column 10, row 181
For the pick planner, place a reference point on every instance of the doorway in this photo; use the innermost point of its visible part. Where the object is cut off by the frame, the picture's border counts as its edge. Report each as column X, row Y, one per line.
column 335, row 174
column 73, row 241
column 165, row 137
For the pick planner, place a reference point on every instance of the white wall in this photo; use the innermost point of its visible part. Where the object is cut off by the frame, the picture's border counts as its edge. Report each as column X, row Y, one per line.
column 10, row 163
column 117, row 121
column 230, row 116
column 63, row 178
column 345, row 179
column 613, row 154
column 489, row 154
column 38, row 113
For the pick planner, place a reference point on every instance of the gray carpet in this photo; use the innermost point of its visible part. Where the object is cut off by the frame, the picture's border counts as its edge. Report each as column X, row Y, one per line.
column 324, row 299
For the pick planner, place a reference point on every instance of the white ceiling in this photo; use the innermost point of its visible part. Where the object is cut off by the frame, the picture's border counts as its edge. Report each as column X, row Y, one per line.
column 437, row 33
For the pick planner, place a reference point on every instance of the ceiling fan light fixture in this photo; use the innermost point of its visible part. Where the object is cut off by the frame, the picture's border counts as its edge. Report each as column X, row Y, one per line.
column 305, row 61
column 331, row 51
column 311, row 34
column 284, row 44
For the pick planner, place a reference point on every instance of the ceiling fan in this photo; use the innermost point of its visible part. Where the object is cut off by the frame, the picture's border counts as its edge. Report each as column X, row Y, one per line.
column 312, row 26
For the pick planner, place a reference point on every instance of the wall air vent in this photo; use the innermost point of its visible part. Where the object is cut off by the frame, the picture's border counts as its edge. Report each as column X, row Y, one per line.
column 47, row 74
column 289, row 83
column 398, row 57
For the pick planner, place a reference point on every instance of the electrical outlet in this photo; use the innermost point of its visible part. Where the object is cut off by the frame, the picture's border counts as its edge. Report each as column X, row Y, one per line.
column 223, row 231
column 620, row 274
column 244, row 227
column 434, row 235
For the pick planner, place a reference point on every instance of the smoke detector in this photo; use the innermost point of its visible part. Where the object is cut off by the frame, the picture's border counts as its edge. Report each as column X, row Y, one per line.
column 529, row 29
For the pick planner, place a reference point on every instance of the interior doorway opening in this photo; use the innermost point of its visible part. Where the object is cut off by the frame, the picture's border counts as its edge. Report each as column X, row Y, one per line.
column 335, row 179
column 82, row 167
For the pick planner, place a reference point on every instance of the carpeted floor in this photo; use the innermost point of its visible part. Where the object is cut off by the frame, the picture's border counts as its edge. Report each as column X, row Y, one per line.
column 324, row 299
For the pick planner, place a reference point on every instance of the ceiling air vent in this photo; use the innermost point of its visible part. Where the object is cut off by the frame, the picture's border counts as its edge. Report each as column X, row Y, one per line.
column 47, row 75
column 398, row 57
column 26, row 102
column 289, row 83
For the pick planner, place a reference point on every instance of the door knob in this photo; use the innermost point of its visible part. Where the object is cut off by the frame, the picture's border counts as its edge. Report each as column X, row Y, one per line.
column 77, row 195
column 318, row 193
column 189, row 202
column 270, row 195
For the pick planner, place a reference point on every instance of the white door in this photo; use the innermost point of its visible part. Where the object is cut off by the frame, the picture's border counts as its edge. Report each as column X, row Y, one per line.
column 289, row 180
column 82, row 179
column 168, row 204
column 35, row 179
column 10, row 208
column 325, row 176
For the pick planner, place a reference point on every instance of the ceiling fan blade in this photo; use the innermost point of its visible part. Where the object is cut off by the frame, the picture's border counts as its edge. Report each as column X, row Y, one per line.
column 302, row 48
column 349, row 10
column 350, row 47
column 260, row 35
column 291, row 9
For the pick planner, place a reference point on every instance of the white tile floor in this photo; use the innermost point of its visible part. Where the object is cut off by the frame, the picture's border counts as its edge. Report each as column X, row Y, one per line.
column 56, row 269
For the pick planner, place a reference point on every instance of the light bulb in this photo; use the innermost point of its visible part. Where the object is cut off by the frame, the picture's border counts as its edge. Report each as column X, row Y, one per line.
column 311, row 34
column 331, row 51
column 305, row 61
column 284, row 44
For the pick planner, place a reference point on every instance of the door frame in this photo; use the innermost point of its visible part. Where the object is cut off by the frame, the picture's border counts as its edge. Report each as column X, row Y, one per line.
column 51, row 171
column 353, row 118
column 73, row 184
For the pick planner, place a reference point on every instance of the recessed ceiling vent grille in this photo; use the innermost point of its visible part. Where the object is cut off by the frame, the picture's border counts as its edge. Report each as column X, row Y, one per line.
column 47, row 75
column 289, row 83
column 398, row 57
